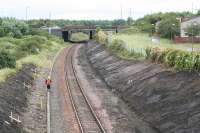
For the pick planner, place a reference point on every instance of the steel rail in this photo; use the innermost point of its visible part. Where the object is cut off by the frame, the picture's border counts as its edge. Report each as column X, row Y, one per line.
column 83, row 93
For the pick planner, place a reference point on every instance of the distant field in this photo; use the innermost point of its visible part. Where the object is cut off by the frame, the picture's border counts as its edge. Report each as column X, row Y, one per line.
column 138, row 41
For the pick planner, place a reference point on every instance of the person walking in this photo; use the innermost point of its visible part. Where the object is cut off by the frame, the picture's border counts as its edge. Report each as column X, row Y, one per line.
column 48, row 82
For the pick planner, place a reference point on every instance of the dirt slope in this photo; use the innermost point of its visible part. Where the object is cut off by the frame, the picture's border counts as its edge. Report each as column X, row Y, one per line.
column 13, row 97
column 168, row 100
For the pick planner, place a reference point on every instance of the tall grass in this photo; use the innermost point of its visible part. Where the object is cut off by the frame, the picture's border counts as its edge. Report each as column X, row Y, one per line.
column 178, row 59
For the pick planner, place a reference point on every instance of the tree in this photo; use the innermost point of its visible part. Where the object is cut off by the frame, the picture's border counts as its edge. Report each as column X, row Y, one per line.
column 1, row 21
column 119, row 22
column 144, row 24
column 198, row 12
column 13, row 27
column 130, row 21
column 169, row 27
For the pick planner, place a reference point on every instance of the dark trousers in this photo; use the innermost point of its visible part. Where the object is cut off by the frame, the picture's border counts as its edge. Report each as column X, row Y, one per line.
column 48, row 87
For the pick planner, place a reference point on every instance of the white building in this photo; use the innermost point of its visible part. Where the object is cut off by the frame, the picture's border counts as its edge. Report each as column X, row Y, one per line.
column 187, row 23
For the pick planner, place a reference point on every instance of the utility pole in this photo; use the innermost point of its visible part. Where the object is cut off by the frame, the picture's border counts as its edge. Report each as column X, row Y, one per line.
column 130, row 13
column 192, row 7
column 172, row 29
column 121, row 12
column 49, row 22
column 193, row 26
column 49, row 15
column 27, row 12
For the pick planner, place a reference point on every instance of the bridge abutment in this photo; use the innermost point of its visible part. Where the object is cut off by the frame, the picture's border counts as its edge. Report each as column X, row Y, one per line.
column 92, row 34
column 66, row 35
column 117, row 30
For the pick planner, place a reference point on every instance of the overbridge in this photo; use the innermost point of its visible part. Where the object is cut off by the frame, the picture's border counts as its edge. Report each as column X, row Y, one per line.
column 67, row 31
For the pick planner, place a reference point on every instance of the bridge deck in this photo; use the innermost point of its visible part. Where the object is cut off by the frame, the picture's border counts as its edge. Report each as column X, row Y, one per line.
column 91, row 28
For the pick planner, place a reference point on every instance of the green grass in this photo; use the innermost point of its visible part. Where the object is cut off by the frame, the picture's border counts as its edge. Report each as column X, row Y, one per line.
column 40, row 60
column 79, row 36
column 4, row 73
column 139, row 41
column 172, row 55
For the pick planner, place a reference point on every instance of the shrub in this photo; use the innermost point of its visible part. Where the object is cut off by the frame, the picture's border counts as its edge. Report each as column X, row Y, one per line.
column 39, row 32
column 38, row 39
column 7, row 60
column 148, row 51
column 134, row 54
column 161, row 56
column 197, row 62
column 30, row 47
column 101, row 37
column 117, row 45
column 154, row 54
column 180, row 60
column 171, row 57
column 56, row 39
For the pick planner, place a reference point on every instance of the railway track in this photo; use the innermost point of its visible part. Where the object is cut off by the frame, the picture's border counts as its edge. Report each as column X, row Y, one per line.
column 86, row 117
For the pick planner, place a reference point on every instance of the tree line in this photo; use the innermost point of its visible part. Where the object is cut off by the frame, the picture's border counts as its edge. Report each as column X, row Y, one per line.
column 169, row 23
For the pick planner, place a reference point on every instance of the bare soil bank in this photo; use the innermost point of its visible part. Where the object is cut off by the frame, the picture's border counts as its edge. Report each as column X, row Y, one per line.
column 169, row 101
column 13, row 97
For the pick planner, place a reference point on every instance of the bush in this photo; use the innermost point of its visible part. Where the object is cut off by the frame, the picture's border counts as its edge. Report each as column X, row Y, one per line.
column 117, row 45
column 148, row 51
column 197, row 62
column 38, row 39
column 101, row 38
column 167, row 29
column 180, row 60
column 7, row 60
column 171, row 57
column 39, row 32
column 30, row 47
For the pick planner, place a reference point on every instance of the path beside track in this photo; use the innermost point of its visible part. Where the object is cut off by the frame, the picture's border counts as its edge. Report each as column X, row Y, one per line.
column 62, row 115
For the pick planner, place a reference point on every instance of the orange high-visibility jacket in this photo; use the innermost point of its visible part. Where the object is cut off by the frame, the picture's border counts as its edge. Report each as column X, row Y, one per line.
column 48, row 82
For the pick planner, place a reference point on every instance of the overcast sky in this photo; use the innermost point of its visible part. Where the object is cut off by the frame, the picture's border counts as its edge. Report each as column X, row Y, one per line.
column 91, row 9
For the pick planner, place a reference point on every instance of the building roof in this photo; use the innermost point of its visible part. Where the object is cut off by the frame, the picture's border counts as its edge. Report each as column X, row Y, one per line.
column 189, row 18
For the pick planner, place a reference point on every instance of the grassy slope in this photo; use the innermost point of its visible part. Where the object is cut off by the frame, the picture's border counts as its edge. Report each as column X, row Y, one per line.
column 40, row 60
column 79, row 36
column 141, row 40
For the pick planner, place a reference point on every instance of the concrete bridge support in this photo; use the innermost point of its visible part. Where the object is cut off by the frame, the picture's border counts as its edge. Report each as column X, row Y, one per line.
column 117, row 30
column 66, row 35
column 92, row 34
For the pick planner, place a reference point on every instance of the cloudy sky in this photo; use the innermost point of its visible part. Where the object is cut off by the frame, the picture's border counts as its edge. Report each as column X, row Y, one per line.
column 92, row 9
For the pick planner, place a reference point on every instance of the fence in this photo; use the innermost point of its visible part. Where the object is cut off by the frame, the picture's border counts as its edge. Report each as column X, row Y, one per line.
column 179, row 39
